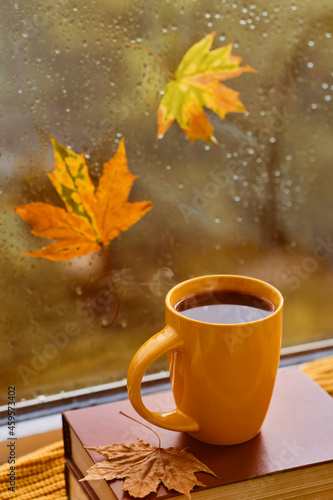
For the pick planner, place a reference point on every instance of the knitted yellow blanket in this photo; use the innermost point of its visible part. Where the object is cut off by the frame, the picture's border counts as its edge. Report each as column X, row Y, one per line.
column 40, row 475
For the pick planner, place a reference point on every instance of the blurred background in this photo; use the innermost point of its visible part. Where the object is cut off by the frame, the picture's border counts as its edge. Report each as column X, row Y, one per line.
column 260, row 205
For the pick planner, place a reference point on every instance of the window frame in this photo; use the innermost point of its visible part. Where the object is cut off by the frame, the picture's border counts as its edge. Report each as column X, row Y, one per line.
column 45, row 406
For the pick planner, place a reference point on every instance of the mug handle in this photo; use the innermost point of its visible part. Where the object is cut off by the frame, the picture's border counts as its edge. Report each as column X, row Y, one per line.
column 161, row 343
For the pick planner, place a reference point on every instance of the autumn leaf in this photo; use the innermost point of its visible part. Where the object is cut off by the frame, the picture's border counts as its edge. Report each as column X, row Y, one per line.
column 144, row 466
column 92, row 217
column 196, row 84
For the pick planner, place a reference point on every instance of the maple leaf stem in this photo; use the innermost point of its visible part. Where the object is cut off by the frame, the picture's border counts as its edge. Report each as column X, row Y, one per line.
column 144, row 425
column 109, row 268
column 151, row 52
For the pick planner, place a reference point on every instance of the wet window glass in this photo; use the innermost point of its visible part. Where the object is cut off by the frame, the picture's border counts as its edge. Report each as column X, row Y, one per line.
column 259, row 204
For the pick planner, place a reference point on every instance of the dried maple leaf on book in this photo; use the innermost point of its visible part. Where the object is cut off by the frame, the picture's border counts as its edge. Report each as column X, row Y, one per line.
column 144, row 466
column 92, row 217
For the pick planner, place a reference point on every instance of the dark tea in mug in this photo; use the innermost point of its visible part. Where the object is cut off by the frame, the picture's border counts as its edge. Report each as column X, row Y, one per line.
column 225, row 307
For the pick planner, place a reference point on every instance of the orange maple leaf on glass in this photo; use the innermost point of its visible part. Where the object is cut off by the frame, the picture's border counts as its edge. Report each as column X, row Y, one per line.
column 195, row 85
column 93, row 217
column 144, row 466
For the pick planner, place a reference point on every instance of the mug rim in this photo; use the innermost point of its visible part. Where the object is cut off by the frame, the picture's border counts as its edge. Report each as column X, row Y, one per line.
column 212, row 276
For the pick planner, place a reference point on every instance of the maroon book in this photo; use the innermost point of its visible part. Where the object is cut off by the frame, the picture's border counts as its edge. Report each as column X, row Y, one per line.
column 76, row 489
column 292, row 455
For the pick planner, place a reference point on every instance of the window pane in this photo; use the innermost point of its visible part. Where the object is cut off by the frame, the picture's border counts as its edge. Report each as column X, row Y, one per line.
column 258, row 205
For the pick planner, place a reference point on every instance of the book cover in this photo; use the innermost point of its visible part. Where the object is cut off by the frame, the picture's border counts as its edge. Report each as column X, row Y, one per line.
column 77, row 490
column 295, row 445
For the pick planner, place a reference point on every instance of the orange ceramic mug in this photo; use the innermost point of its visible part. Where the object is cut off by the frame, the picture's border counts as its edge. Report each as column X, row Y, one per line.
column 222, row 375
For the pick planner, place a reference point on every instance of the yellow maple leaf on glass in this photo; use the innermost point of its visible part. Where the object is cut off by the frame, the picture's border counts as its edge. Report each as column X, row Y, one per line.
column 92, row 217
column 195, row 85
